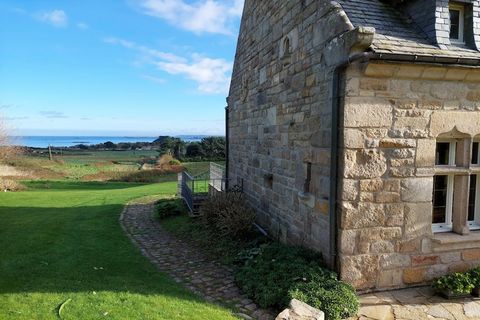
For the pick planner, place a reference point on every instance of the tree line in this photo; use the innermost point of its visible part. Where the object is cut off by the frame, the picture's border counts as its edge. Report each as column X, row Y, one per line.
column 207, row 149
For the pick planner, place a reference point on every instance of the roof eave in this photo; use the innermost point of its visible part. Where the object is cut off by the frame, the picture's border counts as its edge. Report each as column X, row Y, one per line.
column 430, row 59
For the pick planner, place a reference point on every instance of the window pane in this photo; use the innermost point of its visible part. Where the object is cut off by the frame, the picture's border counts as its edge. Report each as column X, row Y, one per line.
column 475, row 153
column 471, row 198
column 440, row 187
column 443, row 152
column 454, row 24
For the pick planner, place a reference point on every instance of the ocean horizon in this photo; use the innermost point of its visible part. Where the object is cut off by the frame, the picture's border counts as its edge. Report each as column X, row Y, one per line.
column 70, row 141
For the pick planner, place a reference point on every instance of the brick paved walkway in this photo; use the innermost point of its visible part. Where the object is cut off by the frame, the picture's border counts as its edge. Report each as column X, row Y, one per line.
column 416, row 304
column 185, row 264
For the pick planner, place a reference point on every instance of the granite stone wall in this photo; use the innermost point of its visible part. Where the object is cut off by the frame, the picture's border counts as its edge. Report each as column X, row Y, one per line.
column 280, row 113
column 393, row 114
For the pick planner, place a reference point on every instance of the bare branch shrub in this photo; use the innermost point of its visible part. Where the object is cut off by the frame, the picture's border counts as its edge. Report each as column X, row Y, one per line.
column 228, row 214
column 7, row 151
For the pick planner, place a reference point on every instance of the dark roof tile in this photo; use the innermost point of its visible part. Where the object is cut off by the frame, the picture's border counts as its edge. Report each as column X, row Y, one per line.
column 396, row 33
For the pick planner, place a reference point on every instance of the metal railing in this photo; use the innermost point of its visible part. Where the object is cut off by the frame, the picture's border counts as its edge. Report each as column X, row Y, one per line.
column 217, row 177
column 195, row 189
column 187, row 190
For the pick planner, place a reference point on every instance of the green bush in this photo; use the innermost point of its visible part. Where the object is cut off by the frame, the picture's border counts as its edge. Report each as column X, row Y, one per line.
column 475, row 277
column 323, row 291
column 170, row 207
column 273, row 274
column 174, row 162
column 228, row 215
column 457, row 283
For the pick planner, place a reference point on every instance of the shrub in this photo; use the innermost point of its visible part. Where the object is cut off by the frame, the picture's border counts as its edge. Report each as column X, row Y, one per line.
column 457, row 283
column 164, row 160
column 269, row 274
column 10, row 185
column 167, row 163
column 228, row 215
column 273, row 274
column 475, row 277
column 323, row 291
column 174, row 162
column 170, row 207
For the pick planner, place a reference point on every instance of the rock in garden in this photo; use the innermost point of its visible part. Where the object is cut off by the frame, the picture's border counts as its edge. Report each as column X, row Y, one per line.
column 299, row 310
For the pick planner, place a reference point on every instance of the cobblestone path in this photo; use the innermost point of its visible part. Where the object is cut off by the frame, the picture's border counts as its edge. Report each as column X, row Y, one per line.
column 185, row 264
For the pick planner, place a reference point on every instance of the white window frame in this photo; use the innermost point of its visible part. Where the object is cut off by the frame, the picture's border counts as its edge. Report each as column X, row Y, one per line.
column 452, row 153
column 475, row 223
column 461, row 22
column 447, row 226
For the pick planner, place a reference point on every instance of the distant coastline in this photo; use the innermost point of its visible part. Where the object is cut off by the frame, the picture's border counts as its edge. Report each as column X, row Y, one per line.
column 70, row 141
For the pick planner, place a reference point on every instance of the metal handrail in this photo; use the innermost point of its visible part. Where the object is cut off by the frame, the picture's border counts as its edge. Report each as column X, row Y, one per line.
column 194, row 189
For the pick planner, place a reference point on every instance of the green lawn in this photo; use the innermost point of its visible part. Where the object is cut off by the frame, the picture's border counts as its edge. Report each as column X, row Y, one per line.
column 196, row 168
column 61, row 241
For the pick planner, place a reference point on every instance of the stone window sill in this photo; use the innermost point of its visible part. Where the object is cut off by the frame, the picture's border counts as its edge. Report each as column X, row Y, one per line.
column 452, row 241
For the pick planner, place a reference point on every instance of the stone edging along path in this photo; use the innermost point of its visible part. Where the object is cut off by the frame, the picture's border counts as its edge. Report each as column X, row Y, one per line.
column 184, row 263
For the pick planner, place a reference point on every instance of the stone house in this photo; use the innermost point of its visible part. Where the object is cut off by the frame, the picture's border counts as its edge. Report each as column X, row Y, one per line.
column 355, row 128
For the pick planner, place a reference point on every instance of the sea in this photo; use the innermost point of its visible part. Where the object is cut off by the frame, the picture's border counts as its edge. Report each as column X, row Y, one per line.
column 69, row 141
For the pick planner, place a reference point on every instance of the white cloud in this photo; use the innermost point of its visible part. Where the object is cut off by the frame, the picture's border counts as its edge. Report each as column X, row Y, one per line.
column 51, row 114
column 211, row 75
column 146, row 51
column 57, row 18
column 82, row 26
column 202, row 16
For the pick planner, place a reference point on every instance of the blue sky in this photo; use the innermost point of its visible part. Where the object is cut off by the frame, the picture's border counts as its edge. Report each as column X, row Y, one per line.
column 119, row 67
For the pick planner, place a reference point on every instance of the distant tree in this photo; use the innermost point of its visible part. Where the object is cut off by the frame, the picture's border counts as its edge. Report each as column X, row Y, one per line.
column 110, row 145
column 124, row 146
column 160, row 139
column 214, row 147
column 172, row 146
column 82, row 147
column 194, row 150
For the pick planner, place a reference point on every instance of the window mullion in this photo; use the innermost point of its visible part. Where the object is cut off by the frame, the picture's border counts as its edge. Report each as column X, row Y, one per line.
column 461, row 187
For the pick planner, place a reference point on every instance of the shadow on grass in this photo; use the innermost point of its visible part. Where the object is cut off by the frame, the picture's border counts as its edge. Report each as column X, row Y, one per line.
column 59, row 244
column 78, row 185
column 146, row 176
column 80, row 249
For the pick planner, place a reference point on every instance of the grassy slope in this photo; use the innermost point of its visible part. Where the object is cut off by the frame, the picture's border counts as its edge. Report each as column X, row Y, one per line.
column 66, row 243
column 100, row 166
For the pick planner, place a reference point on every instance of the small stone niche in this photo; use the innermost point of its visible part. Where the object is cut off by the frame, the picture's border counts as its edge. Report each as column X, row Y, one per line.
column 287, row 52
column 268, row 180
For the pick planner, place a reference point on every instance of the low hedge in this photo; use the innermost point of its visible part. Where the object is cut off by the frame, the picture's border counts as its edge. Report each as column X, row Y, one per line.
column 274, row 274
column 336, row 298
column 170, row 207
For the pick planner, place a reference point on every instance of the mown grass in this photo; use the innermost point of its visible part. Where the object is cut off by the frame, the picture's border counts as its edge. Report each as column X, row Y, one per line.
column 196, row 168
column 61, row 241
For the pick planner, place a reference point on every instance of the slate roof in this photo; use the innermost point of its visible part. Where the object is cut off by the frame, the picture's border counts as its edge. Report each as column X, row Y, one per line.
column 396, row 33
